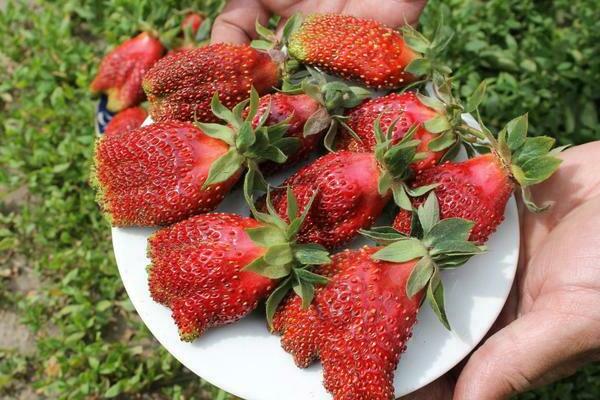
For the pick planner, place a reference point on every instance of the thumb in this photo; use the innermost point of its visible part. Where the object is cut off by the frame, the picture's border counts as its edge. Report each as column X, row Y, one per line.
column 537, row 348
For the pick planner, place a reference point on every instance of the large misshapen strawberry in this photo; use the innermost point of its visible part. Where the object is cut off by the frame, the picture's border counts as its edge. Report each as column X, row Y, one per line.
column 365, row 50
column 126, row 120
column 167, row 171
column 213, row 269
column 359, row 323
column 351, row 189
column 122, row 70
column 479, row 188
column 181, row 86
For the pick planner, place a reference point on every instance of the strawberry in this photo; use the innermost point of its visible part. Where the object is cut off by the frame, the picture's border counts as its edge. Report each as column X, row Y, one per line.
column 167, row 171
column 366, row 312
column 351, row 189
column 295, row 110
column 403, row 110
column 213, row 269
column 126, row 120
column 354, row 49
column 181, row 86
column 122, row 70
column 479, row 188
column 191, row 23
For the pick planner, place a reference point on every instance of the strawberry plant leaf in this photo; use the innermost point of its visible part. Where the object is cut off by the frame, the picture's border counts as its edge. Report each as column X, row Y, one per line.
column 292, row 204
column 539, row 169
column 401, row 251
column 329, row 139
column 310, row 277
column 382, row 234
column 222, row 112
column 443, row 141
column 218, row 131
column 419, row 67
column 306, row 291
column 517, row 132
column 260, row 44
column 266, row 236
column 448, row 229
column 311, row 254
column 420, row 190
column 435, row 298
column 317, row 122
column 429, row 213
column 224, row 167
column 533, row 147
column 245, row 137
column 291, row 26
column 275, row 299
column 437, row 124
column 401, row 198
column 419, row 276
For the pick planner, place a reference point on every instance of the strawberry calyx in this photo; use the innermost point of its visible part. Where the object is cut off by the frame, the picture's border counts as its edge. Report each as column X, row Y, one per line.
column 429, row 65
column 249, row 144
column 285, row 259
column 527, row 160
column 335, row 96
column 394, row 161
column 437, row 244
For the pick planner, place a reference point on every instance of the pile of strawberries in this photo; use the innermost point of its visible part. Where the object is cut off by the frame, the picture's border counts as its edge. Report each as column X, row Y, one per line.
column 226, row 114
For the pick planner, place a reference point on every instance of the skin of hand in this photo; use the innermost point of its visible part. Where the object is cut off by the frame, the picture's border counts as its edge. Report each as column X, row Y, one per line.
column 236, row 23
column 550, row 325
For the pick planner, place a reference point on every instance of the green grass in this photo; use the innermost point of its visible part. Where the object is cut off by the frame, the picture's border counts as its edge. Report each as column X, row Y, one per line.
column 539, row 56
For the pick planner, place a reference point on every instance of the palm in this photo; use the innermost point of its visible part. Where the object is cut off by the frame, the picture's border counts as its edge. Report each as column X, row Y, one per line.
column 550, row 323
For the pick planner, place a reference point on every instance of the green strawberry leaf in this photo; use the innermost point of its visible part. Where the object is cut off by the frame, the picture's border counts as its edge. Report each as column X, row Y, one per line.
column 419, row 67
column 443, row 141
column 382, row 234
column 401, row 251
column 533, row 147
column 260, row 44
column 437, row 124
column 419, row 276
column 429, row 213
column 217, row 131
column 306, row 291
column 516, row 132
column 311, row 254
column 311, row 277
column 291, row 26
column 275, row 299
column 420, row 190
column 448, row 229
column 267, row 235
column 272, row 153
column 279, row 254
column 223, row 112
column 435, row 298
column 538, row 169
column 401, row 198
column 245, row 137
column 329, row 140
column 264, row 32
column 224, row 167
column 292, row 204
column 384, row 183
column 431, row 102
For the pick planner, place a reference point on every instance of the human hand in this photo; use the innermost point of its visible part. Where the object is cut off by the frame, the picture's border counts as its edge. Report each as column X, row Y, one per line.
column 236, row 23
column 550, row 325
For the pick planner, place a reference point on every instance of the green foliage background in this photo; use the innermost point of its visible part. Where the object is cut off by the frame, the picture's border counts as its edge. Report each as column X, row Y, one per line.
column 541, row 56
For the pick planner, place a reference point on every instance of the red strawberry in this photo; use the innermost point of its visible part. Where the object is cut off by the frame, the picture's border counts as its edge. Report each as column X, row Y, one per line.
column 353, row 48
column 402, row 109
column 366, row 312
column 296, row 110
column 479, row 188
column 181, row 86
column 346, row 199
column 191, row 22
column 197, row 271
column 126, row 120
column 213, row 269
column 122, row 70
column 154, row 175
column 167, row 171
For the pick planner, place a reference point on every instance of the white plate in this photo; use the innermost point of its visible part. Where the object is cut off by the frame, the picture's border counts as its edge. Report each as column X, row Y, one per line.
column 246, row 360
